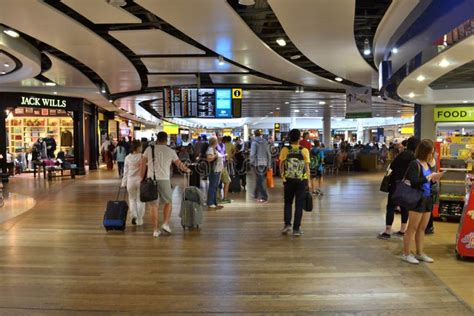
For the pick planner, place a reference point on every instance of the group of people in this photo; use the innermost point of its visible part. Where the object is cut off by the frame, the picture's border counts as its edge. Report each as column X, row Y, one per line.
column 414, row 163
column 116, row 152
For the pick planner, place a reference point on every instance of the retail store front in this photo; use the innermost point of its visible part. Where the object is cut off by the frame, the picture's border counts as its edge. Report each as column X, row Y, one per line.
column 45, row 127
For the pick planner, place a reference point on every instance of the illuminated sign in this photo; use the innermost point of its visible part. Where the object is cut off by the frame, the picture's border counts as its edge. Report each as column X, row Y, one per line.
column 43, row 102
column 454, row 114
column 236, row 93
column 223, row 103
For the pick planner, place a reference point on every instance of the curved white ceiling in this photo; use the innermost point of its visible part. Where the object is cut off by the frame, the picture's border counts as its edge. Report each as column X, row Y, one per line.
column 214, row 24
column 323, row 30
column 29, row 57
column 171, row 80
column 153, row 41
column 130, row 103
column 48, row 25
column 240, row 79
column 99, row 11
column 7, row 64
column 189, row 64
column 457, row 55
column 66, row 75
column 391, row 21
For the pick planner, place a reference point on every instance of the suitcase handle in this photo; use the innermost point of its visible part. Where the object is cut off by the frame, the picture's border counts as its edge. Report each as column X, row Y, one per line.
column 124, row 193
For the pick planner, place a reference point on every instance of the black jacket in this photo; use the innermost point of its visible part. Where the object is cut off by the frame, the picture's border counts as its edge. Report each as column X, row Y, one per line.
column 400, row 165
column 415, row 175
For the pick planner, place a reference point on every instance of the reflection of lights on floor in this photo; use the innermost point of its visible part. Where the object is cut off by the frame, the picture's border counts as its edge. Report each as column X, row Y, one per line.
column 15, row 204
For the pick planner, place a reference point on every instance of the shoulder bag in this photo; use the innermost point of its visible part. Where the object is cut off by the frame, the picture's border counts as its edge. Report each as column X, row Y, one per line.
column 406, row 196
column 308, row 201
column 385, row 185
column 149, row 186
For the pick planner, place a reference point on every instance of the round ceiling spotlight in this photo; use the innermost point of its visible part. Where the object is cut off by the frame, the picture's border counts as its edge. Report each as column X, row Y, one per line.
column 6, row 65
column 322, row 102
column 338, row 79
column 247, row 2
column 117, row 3
column 50, row 84
column 295, row 57
column 221, row 60
column 367, row 49
column 11, row 33
column 394, row 50
column 3, row 72
column 444, row 63
column 287, row 102
column 281, row 42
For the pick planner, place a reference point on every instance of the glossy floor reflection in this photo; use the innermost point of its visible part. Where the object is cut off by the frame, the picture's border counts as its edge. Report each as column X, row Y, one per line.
column 58, row 259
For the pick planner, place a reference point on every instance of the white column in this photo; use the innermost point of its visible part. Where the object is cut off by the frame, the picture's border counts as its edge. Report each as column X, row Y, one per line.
column 360, row 131
column 327, row 128
column 246, row 132
column 428, row 128
column 293, row 123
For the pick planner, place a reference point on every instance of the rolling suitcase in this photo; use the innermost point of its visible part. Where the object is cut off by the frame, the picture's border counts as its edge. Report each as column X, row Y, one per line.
column 195, row 177
column 234, row 185
column 115, row 217
column 191, row 207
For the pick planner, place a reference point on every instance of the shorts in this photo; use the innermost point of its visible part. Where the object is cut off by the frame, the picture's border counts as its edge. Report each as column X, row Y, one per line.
column 225, row 178
column 165, row 193
column 316, row 174
column 425, row 205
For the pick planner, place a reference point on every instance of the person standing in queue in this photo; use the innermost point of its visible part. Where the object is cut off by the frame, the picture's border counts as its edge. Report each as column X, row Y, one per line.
column 294, row 166
column 399, row 167
column 216, row 165
column 305, row 141
column 261, row 161
column 317, row 168
column 131, row 180
column 420, row 176
column 160, row 169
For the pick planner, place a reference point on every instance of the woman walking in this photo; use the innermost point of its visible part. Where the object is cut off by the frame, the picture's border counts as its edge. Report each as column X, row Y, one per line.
column 216, row 165
column 420, row 176
column 131, row 180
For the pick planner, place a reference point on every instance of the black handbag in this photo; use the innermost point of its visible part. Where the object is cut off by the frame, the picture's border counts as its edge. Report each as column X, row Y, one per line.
column 385, row 185
column 149, row 186
column 406, row 196
column 308, row 202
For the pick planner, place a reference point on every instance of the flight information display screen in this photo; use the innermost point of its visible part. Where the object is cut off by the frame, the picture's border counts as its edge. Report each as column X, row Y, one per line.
column 223, row 103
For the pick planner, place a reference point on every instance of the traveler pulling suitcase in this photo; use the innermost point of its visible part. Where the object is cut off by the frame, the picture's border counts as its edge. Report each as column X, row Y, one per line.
column 115, row 217
column 191, row 206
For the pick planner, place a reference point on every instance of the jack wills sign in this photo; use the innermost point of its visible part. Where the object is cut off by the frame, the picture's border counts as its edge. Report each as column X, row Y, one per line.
column 8, row 99
column 43, row 102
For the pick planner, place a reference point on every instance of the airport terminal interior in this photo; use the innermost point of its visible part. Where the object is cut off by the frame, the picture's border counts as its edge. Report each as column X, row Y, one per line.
column 267, row 157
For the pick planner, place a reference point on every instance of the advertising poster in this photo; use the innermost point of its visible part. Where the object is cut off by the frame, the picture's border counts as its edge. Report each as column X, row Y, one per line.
column 358, row 102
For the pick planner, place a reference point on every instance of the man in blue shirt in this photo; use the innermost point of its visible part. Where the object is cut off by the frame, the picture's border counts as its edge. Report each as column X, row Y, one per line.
column 317, row 168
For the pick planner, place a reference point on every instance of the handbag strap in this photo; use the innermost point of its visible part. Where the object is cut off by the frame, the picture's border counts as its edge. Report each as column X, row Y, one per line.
column 153, row 161
column 406, row 171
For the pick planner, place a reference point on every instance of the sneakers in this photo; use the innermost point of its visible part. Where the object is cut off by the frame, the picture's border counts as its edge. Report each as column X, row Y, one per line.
column 399, row 234
column 215, row 207
column 156, row 233
column 134, row 221
column 226, row 201
column 383, row 236
column 166, row 229
column 297, row 233
column 424, row 258
column 262, row 201
column 286, row 229
column 410, row 259
column 139, row 222
column 429, row 231
column 212, row 206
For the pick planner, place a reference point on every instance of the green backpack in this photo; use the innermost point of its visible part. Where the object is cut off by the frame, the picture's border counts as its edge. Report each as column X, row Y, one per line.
column 295, row 167
column 315, row 160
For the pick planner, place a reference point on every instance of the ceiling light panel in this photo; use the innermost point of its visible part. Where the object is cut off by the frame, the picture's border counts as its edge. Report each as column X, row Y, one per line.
column 101, row 12
column 240, row 79
column 153, row 41
column 189, row 64
column 171, row 80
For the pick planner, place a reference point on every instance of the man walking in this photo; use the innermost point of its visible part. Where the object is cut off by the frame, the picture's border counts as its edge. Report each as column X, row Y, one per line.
column 294, row 166
column 261, row 160
column 159, row 168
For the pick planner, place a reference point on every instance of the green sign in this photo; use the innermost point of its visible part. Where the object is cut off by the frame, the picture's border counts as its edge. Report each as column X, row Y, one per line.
column 355, row 115
column 454, row 114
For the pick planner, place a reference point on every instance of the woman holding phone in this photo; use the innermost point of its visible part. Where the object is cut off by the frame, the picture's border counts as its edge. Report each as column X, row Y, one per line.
column 420, row 176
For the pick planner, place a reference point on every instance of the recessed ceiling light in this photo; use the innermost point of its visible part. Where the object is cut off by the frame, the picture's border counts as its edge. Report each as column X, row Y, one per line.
column 55, row 92
column 316, row 110
column 6, row 65
column 271, row 112
column 3, row 72
column 287, row 102
column 444, row 63
column 465, row 101
column 411, row 95
column 322, row 102
column 281, row 42
column 297, row 111
column 367, row 50
column 377, row 114
column 50, row 84
column 221, row 60
column 295, row 57
column 394, row 50
column 301, row 89
column 420, row 78
column 11, row 33
column 103, row 90
column 338, row 79
column 277, row 108
column 330, row 106
column 247, row 2
column 111, row 101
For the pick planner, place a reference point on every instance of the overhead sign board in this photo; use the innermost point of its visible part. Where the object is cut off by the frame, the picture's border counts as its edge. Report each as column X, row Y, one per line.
column 358, row 102
column 454, row 114
column 236, row 93
column 223, row 103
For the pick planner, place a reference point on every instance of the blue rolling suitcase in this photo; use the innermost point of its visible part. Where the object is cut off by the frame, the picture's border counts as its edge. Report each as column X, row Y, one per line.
column 115, row 217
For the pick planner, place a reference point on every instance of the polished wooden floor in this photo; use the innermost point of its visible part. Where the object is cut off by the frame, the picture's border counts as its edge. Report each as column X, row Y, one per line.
column 56, row 259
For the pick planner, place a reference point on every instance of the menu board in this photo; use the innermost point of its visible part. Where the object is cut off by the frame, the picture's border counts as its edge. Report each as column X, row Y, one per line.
column 223, row 103
column 206, row 103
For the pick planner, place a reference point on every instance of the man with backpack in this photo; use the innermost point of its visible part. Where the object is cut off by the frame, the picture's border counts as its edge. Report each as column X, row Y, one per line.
column 261, row 161
column 316, row 167
column 294, row 166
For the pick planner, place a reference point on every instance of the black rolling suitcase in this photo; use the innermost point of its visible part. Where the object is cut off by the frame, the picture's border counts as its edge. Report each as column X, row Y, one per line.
column 195, row 177
column 115, row 217
column 234, row 185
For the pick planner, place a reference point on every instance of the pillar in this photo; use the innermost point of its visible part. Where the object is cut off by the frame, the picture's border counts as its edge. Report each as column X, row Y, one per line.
column 327, row 128
column 424, row 122
column 246, row 132
column 360, row 131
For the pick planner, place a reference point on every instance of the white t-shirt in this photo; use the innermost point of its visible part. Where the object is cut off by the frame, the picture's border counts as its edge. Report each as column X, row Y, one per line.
column 164, row 157
column 219, row 162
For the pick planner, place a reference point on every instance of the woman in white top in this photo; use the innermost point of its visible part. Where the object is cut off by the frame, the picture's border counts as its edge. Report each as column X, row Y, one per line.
column 131, row 180
column 216, row 164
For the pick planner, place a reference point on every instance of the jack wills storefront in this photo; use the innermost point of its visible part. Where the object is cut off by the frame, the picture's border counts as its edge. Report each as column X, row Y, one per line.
column 38, row 126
